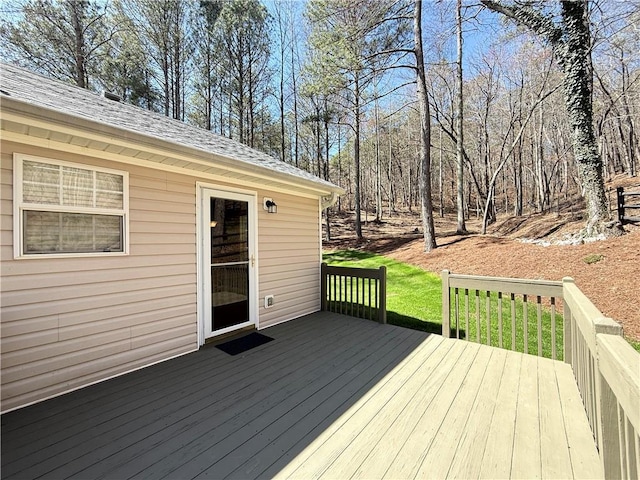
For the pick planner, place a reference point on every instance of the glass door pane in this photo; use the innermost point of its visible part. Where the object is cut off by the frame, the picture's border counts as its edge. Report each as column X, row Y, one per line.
column 229, row 230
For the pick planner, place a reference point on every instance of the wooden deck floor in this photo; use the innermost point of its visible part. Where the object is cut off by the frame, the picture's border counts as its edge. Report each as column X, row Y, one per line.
column 331, row 397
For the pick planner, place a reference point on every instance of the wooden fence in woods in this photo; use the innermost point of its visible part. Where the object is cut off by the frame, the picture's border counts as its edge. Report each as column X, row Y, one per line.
column 628, row 206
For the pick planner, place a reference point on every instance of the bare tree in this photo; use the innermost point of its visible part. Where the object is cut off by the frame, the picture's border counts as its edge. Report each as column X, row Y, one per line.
column 461, row 228
column 425, row 134
column 571, row 43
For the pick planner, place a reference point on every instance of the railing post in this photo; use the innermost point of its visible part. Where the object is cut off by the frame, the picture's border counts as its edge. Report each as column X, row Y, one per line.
column 382, row 311
column 446, row 301
column 610, row 426
column 323, row 286
column 619, row 407
column 566, row 324
column 608, row 420
column 620, row 197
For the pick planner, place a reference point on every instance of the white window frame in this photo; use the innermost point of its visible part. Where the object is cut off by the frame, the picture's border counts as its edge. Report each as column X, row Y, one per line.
column 19, row 207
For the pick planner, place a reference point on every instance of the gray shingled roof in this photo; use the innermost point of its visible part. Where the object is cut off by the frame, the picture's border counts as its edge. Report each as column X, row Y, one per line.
column 23, row 85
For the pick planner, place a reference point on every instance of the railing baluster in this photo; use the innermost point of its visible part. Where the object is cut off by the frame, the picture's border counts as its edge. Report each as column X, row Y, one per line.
column 466, row 309
column 478, row 316
column 456, row 310
column 513, row 322
column 488, row 308
column 375, row 296
column 525, row 319
column 351, row 295
column 500, row 317
column 539, row 311
column 361, row 304
column 369, row 304
column 554, row 353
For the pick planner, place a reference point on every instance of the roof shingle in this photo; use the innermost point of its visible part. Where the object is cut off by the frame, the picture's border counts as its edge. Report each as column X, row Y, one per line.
column 23, row 85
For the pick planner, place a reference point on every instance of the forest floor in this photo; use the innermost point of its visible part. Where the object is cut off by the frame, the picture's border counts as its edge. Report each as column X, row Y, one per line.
column 535, row 246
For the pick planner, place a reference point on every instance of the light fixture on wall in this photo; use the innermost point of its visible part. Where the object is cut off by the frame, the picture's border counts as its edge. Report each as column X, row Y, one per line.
column 269, row 205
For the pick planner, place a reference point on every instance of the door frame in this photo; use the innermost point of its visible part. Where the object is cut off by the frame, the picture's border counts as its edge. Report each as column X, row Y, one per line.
column 205, row 191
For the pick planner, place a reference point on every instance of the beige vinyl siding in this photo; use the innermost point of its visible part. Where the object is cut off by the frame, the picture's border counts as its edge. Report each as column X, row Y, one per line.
column 289, row 258
column 68, row 322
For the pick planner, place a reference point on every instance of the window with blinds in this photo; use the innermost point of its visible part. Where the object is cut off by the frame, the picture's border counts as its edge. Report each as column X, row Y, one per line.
column 66, row 208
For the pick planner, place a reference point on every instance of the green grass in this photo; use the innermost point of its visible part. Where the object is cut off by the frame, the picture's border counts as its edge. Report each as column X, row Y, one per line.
column 634, row 344
column 414, row 296
column 479, row 316
column 414, row 300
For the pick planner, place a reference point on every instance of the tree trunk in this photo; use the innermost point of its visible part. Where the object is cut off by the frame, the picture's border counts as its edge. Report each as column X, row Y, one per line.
column 378, row 167
column 578, row 83
column 296, row 127
column 425, row 135
column 571, row 43
column 356, row 153
column 76, row 20
column 461, row 227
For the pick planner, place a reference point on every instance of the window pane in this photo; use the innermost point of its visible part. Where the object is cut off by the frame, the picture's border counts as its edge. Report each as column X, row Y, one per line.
column 108, row 233
column 41, row 193
column 109, row 182
column 41, row 183
column 41, row 232
column 77, row 187
column 109, row 189
column 55, row 232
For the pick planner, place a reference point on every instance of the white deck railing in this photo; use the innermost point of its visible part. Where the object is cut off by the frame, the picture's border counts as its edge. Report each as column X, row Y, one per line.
column 503, row 312
column 358, row 292
column 607, row 371
column 606, row 368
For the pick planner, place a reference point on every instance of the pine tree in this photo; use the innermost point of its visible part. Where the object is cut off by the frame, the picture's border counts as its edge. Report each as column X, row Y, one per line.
column 65, row 39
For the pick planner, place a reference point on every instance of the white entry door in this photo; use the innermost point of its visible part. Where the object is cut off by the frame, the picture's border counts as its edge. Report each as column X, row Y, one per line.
column 228, row 256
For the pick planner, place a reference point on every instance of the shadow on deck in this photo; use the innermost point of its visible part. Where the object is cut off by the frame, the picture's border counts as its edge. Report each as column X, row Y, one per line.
column 331, row 395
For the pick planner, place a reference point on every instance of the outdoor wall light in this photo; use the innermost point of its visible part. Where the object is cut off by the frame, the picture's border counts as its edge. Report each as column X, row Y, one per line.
column 270, row 206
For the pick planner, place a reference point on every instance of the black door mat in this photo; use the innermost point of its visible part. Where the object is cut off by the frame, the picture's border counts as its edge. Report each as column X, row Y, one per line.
column 242, row 344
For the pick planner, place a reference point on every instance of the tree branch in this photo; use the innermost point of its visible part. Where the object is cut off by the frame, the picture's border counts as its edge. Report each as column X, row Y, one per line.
column 527, row 16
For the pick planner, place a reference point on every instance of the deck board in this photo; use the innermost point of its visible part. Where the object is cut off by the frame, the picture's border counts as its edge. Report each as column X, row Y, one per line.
column 397, row 434
column 330, row 397
column 470, row 450
column 363, row 421
column 499, row 442
column 526, row 462
column 443, row 449
column 554, row 452
column 410, row 456
column 579, row 437
column 220, row 413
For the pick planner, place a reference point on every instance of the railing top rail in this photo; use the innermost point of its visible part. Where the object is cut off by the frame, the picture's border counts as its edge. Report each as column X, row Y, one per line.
column 588, row 318
column 545, row 288
column 374, row 273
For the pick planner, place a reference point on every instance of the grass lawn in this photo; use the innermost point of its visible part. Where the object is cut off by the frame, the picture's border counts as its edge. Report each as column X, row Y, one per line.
column 414, row 296
column 414, row 300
